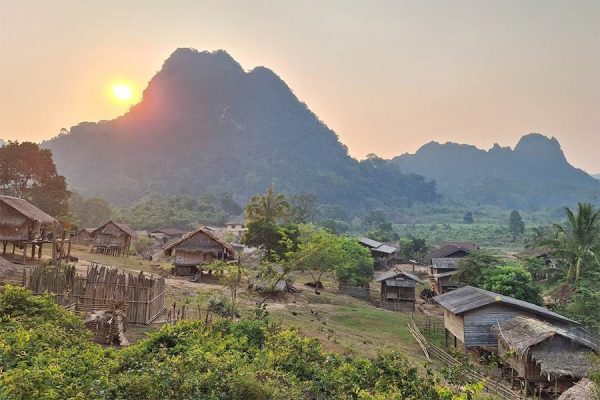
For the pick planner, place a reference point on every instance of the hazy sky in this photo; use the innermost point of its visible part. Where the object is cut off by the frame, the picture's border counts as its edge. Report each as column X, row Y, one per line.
column 387, row 76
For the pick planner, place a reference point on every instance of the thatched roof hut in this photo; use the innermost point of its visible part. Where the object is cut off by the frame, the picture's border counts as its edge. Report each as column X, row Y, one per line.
column 192, row 250
column 113, row 238
column 540, row 350
column 585, row 389
column 21, row 220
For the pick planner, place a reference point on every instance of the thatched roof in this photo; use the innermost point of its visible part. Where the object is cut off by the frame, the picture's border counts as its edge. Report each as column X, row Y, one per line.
column 469, row 298
column 207, row 232
column 585, row 389
column 170, row 231
column 27, row 209
column 126, row 229
column 528, row 336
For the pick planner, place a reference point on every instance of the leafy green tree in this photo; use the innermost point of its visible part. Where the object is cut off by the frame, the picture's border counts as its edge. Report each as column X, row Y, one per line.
column 319, row 252
column 512, row 280
column 29, row 172
column 578, row 240
column 516, row 224
column 471, row 268
column 269, row 207
column 413, row 248
column 357, row 268
column 303, row 208
column 468, row 218
column 583, row 305
column 278, row 241
column 335, row 226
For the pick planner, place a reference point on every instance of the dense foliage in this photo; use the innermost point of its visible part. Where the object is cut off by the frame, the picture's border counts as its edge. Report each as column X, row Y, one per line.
column 512, row 280
column 46, row 353
column 29, row 172
column 179, row 211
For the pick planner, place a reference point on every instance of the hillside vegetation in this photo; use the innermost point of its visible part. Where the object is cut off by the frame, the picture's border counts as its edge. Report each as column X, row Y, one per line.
column 206, row 125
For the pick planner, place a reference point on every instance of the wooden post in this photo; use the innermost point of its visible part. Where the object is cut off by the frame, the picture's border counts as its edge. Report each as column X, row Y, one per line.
column 4, row 247
column 54, row 243
column 14, row 247
column 446, row 337
column 24, row 252
column 68, row 250
column 40, row 250
column 32, row 251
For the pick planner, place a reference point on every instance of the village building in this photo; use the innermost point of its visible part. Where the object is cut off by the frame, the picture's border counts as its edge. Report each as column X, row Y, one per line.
column 398, row 290
column 166, row 235
column 542, row 354
column 83, row 236
column 112, row 238
column 236, row 226
column 444, row 264
column 585, row 389
column 196, row 249
column 470, row 313
column 383, row 254
column 23, row 225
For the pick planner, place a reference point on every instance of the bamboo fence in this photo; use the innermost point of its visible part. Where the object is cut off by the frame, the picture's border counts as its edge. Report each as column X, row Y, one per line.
column 143, row 295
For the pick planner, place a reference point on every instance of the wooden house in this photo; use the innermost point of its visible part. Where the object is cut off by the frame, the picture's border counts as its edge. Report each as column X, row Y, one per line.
column 112, row 238
column 236, row 226
column 83, row 236
column 470, row 313
column 398, row 290
column 383, row 254
column 167, row 235
column 195, row 249
column 444, row 263
column 543, row 354
column 22, row 224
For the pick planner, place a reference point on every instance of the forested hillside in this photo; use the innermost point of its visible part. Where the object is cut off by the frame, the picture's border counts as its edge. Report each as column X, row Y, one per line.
column 534, row 174
column 206, row 125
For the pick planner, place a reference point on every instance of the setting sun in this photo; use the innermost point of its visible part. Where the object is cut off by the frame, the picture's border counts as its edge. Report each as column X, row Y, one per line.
column 122, row 92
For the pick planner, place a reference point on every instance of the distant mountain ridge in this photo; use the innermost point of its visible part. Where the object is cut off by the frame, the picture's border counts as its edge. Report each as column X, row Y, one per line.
column 533, row 174
column 206, row 125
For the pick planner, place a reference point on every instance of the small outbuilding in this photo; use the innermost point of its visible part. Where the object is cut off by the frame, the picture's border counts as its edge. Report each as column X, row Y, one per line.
column 166, row 235
column 236, row 226
column 383, row 254
column 470, row 313
column 398, row 290
column 543, row 354
column 22, row 224
column 112, row 238
column 195, row 249
column 83, row 236
column 444, row 263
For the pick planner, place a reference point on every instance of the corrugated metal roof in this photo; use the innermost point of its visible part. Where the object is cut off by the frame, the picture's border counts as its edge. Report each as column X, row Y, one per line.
column 444, row 274
column 384, row 248
column 27, row 209
column 396, row 273
column 445, row 262
column 369, row 242
column 469, row 298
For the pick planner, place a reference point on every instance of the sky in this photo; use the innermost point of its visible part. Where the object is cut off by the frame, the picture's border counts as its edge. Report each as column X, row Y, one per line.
column 386, row 76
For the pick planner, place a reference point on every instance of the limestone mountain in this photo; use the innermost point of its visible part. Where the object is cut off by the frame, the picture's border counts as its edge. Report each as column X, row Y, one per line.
column 206, row 125
column 534, row 174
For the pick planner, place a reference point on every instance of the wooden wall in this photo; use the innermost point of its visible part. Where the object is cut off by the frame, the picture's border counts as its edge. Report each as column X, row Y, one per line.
column 13, row 225
column 478, row 323
column 454, row 324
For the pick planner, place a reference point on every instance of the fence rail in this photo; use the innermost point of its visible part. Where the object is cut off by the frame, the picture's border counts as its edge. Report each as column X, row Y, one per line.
column 142, row 294
column 431, row 350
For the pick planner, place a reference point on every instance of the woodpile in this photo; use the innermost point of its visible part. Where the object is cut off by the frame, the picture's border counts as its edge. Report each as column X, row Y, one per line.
column 108, row 325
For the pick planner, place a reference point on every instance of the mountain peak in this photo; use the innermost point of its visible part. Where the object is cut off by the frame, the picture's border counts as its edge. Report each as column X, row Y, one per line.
column 540, row 146
column 189, row 57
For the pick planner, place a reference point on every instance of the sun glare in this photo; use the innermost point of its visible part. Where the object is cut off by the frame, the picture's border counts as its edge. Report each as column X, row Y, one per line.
column 122, row 92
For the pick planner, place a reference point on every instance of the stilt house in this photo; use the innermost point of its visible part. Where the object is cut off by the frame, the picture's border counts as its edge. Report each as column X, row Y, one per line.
column 542, row 354
column 22, row 224
column 112, row 238
column 398, row 290
column 196, row 249
column 83, row 236
column 470, row 313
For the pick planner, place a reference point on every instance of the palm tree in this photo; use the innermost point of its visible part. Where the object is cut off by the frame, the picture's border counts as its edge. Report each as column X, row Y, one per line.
column 578, row 241
column 269, row 207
